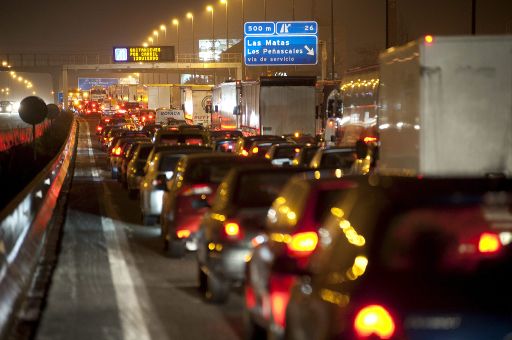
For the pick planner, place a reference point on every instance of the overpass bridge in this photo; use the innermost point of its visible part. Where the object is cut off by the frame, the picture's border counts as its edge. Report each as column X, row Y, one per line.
column 59, row 65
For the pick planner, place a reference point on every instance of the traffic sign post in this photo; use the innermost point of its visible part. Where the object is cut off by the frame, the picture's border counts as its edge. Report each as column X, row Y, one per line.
column 281, row 43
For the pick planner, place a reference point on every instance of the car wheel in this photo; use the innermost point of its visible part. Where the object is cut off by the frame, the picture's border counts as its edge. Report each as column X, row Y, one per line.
column 148, row 219
column 132, row 193
column 217, row 290
column 176, row 249
column 202, row 281
column 252, row 331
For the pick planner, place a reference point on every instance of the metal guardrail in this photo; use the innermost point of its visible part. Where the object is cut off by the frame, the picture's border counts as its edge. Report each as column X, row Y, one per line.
column 55, row 60
column 24, row 226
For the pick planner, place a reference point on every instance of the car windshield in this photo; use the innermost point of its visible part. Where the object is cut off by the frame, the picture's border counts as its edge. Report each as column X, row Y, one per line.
column 208, row 171
column 256, row 190
column 168, row 162
column 286, row 152
column 338, row 159
column 188, row 139
column 144, row 152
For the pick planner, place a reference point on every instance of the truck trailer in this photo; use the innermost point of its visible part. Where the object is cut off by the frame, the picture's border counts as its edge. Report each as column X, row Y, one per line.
column 445, row 107
column 270, row 106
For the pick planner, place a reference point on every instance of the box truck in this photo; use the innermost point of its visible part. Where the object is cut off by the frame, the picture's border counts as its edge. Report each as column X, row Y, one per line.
column 445, row 106
column 270, row 106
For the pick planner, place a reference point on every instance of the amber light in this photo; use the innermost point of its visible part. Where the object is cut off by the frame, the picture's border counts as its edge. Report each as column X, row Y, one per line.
column 370, row 139
column 303, row 243
column 183, row 233
column 429, row 39
column 255, row 149
column 232, row 229
column 489, row 243
column 117, row 151
column 374, row 320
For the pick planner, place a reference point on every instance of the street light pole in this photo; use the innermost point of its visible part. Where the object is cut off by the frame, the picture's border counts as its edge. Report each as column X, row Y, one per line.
column 265, row 10
column 176, row 23
column 293, row 10
column 332, row 39
column 210, row 9
column 191, row 17
column 225, row 2
column 164, row 29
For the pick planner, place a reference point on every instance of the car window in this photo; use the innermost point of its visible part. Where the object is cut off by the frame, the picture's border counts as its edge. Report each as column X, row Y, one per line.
column 189, row 139
column 342, row 160
column 208, row 172
column 169, row 162
column 259, row 189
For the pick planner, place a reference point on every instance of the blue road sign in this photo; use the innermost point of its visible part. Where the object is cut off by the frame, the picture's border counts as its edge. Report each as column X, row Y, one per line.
column 259, row 28
column 60, row 97
column 296, row 27
column 281, row 43
column 88, row 83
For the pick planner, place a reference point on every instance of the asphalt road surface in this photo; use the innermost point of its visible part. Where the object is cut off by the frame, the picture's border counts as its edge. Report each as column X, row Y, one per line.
column 9, row 121
column 113, row 280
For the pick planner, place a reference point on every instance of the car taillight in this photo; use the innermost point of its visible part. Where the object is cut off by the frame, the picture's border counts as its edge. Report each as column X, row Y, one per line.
column 107, row 120
column 150, row 116
column 184, row 233
column 117, row 151
column 303, row 244
column 99, row 128
column 255, row 150
column 489, row 243
column 232, row 229
column 374, row 321
column 280, row 287
column 198, row 189
column 244, row 153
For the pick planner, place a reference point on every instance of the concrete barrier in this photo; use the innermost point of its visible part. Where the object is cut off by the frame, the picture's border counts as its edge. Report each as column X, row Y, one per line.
column 24, row 227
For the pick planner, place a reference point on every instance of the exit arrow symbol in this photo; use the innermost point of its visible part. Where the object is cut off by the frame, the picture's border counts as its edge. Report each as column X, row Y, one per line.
column 311, row 51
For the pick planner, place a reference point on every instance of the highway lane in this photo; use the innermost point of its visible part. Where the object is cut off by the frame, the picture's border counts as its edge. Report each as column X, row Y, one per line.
column 9, row 121
column 112, row 280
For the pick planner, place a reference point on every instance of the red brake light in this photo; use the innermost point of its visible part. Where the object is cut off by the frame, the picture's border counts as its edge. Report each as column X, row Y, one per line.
column 374, row 320
column 99, row 128
column 184, row 233
column 150, row 116
column 489, row 243
column 303, row 244
column 117, row 151
column 107, row 120
column 280, row 287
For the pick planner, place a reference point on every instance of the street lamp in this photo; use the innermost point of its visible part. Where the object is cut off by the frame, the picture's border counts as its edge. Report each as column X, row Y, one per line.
column 144, row 44
column 191, row 17
column 265, row 9
column 150, row 39
column 164, row 29
column 176, row 23
column 225, row 2
column 155, row 33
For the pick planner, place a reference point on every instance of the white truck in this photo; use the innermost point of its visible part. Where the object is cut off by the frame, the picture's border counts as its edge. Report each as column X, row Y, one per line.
column 446, row 106
column 159, row 96
column 166, row 116
column 270, row 106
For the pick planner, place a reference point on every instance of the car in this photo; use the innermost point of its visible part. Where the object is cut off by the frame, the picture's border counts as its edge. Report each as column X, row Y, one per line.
column 151, row 129
column 187, row 137
column 225, row 134
column 244, row 144
column 159, row 171
column 6, row 106
column 180, row 147
column 187, row 196
column 305, row 155
column 117, row 152
column 334, row 158
column 135, row 168
column 259, row 148
column 236, row 218
column 224, row 145
column 283, row 154
column 127, row 154
column 308, row 198
column 410, row 258
column 300, row 138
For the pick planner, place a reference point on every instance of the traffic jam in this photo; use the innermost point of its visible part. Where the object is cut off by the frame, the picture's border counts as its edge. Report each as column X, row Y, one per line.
column 394, row 224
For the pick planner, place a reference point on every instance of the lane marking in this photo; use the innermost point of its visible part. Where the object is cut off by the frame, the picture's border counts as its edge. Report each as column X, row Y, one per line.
column 125, row 276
